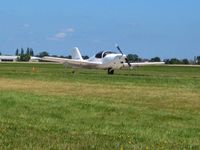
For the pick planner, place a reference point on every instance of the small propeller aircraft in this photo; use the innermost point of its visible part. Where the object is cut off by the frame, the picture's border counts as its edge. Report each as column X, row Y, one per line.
column 102, row 60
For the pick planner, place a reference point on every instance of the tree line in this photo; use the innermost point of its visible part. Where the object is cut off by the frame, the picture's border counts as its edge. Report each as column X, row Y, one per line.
column 24, row 55
column 136, row 58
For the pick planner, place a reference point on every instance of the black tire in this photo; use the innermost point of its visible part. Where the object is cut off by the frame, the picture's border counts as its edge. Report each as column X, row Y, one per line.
column 110, row 71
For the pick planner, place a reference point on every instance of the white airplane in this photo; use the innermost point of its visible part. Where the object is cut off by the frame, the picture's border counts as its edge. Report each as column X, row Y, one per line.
column 103, row 60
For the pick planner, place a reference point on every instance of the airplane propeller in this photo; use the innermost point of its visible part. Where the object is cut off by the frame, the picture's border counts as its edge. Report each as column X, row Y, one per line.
column 129, row 64
column 119, row 49
column 127, row 61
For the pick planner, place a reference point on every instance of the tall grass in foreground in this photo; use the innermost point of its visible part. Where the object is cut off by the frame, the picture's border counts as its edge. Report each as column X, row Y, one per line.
column 51, row 108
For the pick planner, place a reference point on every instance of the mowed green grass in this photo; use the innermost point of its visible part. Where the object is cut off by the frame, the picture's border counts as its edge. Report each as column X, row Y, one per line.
column 154, row 107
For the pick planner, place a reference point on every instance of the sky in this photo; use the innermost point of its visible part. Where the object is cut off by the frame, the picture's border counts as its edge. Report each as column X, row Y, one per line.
column 148, row 28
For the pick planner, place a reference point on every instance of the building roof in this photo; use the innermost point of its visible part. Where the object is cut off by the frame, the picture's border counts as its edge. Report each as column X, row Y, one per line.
column 8, row 57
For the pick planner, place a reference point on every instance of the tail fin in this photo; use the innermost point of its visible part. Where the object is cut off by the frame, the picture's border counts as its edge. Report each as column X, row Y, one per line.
column 76, row 54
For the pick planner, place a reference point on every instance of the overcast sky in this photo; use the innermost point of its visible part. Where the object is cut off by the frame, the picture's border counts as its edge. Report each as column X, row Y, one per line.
column 149, row 28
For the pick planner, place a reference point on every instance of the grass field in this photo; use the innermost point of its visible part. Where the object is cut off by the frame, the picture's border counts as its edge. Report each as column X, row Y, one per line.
column 155, row 107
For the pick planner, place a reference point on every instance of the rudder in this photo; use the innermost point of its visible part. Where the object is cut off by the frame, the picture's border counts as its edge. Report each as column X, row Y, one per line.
column 76, row 54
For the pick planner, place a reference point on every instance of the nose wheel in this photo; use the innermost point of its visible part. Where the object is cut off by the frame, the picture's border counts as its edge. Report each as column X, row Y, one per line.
column 110, row 71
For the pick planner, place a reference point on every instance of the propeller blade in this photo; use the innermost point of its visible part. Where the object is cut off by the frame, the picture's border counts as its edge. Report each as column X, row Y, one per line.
column 129, row 64
column 119, row 49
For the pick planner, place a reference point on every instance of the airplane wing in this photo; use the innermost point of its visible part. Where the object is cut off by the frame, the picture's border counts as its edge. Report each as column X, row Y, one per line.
column 143, row 64
column 54, row 59
column 72, row 62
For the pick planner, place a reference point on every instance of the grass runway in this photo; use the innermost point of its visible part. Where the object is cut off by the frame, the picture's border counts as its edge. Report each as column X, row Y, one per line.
column 48, row 107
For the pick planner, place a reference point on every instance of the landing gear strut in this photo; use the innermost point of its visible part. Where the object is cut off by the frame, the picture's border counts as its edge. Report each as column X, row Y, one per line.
column 110, row 71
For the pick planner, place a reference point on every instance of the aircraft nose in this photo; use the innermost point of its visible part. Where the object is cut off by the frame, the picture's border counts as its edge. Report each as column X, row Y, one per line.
column 122, row 58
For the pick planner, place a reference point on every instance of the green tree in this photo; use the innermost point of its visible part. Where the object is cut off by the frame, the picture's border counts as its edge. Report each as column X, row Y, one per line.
column 42, row 54
column 174, row 61
column 167, row 61
column 69, row 57
column 31, row 52
column 22, row 51
column 28, row 51
column 185, row 61
column 133, row 58
column 24, row 57
column 155, row 59
column 0, row 53
column 54, row 56
column 17, row 52
column 85, row 57
column 198, row 60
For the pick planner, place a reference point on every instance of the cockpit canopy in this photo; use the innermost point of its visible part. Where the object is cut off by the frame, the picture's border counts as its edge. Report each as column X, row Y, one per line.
column 102, row 54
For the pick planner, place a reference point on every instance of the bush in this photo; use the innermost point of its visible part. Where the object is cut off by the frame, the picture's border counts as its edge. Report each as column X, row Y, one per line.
column 24, row 57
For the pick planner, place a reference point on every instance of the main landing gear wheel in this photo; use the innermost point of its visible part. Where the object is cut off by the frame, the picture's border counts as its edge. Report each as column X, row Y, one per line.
column 110, row 71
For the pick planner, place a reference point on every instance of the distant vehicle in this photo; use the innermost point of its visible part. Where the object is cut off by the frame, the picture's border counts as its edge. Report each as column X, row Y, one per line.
column 102, row 60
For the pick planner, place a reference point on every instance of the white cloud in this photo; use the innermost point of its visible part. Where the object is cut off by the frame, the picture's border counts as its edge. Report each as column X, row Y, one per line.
column 26, row 25
column 70, row 30
column 97, row 41
column 62, row 35
column 58, row 36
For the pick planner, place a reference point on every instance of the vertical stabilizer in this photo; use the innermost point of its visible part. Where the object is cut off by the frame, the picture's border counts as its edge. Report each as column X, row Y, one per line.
column 76, row 54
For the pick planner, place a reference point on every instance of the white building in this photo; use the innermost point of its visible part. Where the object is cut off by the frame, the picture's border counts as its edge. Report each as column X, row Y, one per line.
column 8, row 58
column 15, row 58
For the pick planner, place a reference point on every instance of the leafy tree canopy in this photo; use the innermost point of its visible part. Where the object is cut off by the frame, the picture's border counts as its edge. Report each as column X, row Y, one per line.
column 155, row 59
column 44, row 53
